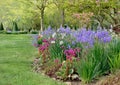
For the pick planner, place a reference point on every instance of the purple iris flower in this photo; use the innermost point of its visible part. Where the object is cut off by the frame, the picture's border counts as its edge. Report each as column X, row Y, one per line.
column 48, row 32
column 103, row 36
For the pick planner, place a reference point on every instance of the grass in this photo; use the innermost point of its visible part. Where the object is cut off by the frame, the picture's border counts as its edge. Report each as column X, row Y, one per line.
column 16, row 56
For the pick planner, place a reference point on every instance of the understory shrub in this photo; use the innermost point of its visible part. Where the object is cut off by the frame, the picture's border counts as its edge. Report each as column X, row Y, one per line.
column 1, row 27
column 15, row 26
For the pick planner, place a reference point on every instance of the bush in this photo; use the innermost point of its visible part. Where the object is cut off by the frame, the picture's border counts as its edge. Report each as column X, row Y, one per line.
column 15, row 26
column 1, row 27
column 23, row 32
column 16, row 32
column 34, row 32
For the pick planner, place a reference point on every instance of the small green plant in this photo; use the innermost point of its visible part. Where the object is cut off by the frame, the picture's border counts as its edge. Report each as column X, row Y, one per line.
column 100, row 53
column 88, row 69
column 56, row 51
column 114, row 55
column 39, row 41
column 94, row 63
column 62, row 71
column 114, row 62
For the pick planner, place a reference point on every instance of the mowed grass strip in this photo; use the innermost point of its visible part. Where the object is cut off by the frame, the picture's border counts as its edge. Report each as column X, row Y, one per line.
column 16, row 56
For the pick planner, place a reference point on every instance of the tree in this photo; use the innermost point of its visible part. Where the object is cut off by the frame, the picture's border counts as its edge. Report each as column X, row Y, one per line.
column 60, row 5
column 14, row 10
column 103, row 10
column 40, row 6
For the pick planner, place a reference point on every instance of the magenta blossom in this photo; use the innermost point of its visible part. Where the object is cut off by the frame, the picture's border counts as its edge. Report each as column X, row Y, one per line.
column 70, row 53
column 45, row 41
column 43, row 47
column 69, row 58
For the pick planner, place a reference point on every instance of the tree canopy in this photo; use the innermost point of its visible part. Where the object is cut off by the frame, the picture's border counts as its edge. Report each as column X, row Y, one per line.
column 39, row 14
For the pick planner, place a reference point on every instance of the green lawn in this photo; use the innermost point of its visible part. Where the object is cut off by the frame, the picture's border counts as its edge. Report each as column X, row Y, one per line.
column 16, row 56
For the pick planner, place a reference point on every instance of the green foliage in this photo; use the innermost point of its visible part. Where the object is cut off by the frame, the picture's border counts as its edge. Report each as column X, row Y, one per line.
column 88, row 69
column 94, row 63
column 62, row 71
column 1, row 27
column 114, row 54
column 100, row 53
column 114, row 47
column 34, row 32
column 39, row 41
column 104, row 11
column 114, row 62
column 56, row 51
column 15, row 26
column 28, row 13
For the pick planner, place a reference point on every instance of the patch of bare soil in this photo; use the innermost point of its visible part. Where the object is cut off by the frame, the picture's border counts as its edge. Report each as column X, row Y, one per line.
column 113, row 79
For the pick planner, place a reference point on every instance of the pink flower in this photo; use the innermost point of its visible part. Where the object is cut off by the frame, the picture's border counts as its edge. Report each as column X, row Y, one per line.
column 56, row 61
column 70, row 52
column 69, row 58
column 43, row 47
column 45, row 41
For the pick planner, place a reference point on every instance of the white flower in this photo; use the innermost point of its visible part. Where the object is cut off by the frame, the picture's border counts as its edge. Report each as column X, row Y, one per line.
column 52, row 41
column 61, row 42
column 63, row 35
column 53, row 35
column 111, row 30
column 58, row 30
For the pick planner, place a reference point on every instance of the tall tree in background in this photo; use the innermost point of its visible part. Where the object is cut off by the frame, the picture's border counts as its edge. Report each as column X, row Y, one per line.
column 60, row 4
column 105, row 12
column 41, row 5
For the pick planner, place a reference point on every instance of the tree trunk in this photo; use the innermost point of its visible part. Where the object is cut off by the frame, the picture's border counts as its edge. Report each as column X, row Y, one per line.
column 42, row 20
column 63, row 16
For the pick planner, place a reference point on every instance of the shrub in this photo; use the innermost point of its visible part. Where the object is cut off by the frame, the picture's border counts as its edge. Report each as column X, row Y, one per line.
column 15, row 26
column 23, row 32
column 34, row 32
column 1, row 27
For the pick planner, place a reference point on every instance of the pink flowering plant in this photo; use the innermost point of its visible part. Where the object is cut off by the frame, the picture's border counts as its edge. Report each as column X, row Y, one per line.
column 71, row 53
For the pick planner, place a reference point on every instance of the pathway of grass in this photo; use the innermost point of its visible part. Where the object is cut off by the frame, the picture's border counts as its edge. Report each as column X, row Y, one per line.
column 16, row 56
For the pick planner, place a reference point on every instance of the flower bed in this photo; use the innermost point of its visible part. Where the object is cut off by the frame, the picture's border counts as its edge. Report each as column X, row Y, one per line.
column 77, row 55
